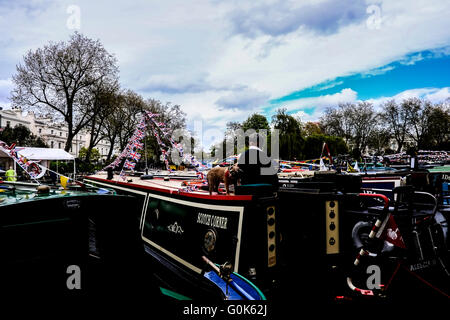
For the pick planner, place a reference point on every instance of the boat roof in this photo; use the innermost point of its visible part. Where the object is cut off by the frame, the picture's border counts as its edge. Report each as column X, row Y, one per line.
column 12, row 195
column 445, row 168
column 175, row 185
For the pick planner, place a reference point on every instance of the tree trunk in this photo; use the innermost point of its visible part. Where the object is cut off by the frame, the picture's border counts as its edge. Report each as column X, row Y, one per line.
column 69, row 140
column 111, row 142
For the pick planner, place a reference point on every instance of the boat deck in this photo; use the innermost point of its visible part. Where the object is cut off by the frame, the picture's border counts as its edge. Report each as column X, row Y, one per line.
column 191, row 186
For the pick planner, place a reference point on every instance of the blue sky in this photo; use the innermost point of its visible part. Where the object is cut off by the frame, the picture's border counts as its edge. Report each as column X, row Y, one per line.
column 430, row 71
column 419, row 73
column 224, row 60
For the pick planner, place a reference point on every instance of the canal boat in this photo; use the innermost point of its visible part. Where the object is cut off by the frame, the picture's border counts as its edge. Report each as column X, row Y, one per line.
column 181, row 225
column 48, row 235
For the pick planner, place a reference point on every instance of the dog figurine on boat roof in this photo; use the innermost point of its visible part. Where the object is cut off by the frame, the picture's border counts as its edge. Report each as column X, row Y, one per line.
column 227, row 175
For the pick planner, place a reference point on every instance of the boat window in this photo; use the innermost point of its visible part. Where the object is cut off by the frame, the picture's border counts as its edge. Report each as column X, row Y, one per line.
column 93, row 243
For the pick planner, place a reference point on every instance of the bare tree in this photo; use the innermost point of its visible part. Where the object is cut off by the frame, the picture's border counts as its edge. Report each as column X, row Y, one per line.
column 419, row 119
column 113, row 123
column 103, row 104
column 439, row 121
column 397, row 118
column 337, row 121
column 353, row 122
column 363, row 119
column 127, row 108
column 58, row 78
column 379, row 138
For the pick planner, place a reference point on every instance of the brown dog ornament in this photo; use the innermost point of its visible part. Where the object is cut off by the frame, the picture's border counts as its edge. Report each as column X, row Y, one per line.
column 227, row 175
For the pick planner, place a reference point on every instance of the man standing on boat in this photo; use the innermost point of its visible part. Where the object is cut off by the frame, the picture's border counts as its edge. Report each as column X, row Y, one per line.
column 11, row 175
column 256, row 166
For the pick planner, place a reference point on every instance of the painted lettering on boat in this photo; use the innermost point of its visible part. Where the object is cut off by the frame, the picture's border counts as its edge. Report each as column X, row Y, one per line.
column 422, row 265
column 212, row 220
column 72, row 204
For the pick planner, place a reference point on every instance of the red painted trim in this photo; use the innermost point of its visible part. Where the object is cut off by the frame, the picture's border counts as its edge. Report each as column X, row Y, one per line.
column 376, row 195
column 175, row 192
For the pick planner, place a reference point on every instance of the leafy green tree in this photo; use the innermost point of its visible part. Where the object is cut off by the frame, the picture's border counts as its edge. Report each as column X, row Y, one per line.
column 94, row 155
column 314, row 143
column 256, row 122
column 21, row 136
column 290, row 135
column 310, row 128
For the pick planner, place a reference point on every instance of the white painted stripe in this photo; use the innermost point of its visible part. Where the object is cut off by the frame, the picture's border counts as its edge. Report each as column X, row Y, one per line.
column 211, row 207
column 173, row 256
column 376, row 189
column 380, row 231
column 142, row 193
column 239, row 209
column 144, row 208
column 350, row 284
column 238, row 245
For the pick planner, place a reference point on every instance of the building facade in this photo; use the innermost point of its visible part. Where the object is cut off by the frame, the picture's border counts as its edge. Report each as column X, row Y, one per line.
column 54, row 134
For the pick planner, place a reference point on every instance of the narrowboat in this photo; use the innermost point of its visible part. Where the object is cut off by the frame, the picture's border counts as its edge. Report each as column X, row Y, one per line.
column 182, row 227
column 69, row 242
column 342, row 232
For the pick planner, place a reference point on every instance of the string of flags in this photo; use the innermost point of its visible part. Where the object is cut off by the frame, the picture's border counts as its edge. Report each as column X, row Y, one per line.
column 33, row 169
column 131, row 152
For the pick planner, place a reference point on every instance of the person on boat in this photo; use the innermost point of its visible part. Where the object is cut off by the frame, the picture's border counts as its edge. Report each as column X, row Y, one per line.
column 11, row 175
column 53, row 177
column 110, row 173
column 255, row 165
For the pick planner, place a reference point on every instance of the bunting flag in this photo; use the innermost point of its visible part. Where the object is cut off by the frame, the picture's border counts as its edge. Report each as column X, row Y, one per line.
column 160, row 132
column 32, row 168
column 356, row 168
column 325, row 147
column 135, row 156
column 350, row 168
column 129, row 165
column 323, row 167
column 64, row 180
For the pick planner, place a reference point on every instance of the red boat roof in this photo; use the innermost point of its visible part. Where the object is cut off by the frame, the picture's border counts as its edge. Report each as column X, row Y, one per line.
column 174, row 187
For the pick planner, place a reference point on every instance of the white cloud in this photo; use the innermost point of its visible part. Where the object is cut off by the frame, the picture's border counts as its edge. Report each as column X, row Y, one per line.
column 203, row 54
column 320, row 102
column 317, row 104
column 439, row 95
column 434, row 95
column 283, row 17
column 246, row 99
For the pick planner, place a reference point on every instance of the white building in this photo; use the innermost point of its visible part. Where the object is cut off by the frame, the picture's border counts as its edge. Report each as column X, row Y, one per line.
column 54, row 134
